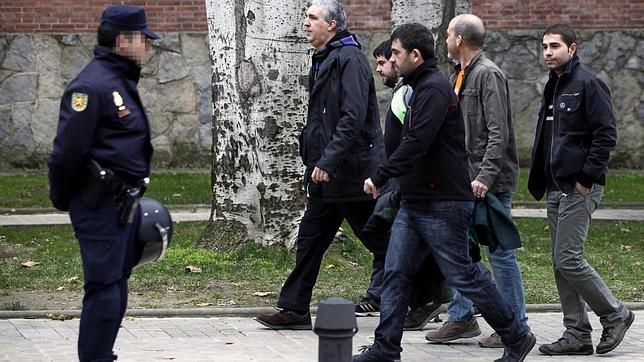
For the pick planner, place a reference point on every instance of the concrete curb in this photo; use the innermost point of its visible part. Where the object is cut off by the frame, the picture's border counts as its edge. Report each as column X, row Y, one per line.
column 224, row 312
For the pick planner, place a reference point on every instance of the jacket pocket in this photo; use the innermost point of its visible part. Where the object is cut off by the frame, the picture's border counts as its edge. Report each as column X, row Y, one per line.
column 569, row 102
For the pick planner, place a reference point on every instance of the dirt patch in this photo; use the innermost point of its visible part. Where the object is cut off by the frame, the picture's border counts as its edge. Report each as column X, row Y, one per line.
column 8, row 251
column 214, row 295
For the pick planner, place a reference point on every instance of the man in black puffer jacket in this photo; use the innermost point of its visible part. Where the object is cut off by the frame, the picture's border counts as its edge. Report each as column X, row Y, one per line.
column 340, row 147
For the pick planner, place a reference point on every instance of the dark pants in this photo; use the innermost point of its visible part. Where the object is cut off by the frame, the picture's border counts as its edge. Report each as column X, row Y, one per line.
column 438, row 227
column 107, row 252
column 318, row 227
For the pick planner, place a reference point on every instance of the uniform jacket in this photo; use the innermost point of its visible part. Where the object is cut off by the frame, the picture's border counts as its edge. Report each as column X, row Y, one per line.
column 342, row 135
column 430, row 160
column 101, row 117
column 484, row 97
column 583, row 132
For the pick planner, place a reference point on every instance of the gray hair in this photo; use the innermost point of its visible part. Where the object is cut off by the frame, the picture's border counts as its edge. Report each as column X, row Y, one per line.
column 333, row 10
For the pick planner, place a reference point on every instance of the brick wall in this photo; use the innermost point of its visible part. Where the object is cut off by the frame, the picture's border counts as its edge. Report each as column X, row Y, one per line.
column 20, row 16
column 581, row 14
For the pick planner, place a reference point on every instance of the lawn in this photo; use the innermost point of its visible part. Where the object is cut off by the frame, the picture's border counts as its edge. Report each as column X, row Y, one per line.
column 253, row 275
column 177, row 188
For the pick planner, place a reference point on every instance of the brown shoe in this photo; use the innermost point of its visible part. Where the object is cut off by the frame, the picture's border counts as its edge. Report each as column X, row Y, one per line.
column 285, row 319
column 417, row 318
column 452, row 330
column 492, row 341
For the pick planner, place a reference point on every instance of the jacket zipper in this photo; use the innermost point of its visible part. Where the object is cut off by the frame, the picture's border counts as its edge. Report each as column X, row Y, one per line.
column 552, row 138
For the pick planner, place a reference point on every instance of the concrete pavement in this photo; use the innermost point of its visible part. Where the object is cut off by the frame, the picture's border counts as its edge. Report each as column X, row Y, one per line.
column 202, row 214
column 243, row 339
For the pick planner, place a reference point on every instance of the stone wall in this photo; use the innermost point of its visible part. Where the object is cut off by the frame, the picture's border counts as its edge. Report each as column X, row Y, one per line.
column 175, row 87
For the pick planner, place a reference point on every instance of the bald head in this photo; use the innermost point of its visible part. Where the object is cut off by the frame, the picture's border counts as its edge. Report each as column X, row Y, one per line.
column 470, row 28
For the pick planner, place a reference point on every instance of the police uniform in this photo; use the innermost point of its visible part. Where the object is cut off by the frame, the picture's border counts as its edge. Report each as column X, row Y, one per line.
column 102, row 118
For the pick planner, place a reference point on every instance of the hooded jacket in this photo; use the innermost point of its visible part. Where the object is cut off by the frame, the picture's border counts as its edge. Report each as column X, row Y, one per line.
column 342, row 135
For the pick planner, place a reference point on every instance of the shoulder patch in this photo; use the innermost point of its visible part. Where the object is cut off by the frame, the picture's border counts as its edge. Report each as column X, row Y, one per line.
column 79, row 101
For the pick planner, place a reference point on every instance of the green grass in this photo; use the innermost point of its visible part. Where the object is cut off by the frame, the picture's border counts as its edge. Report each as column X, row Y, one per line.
column 225, row 276
column 176, row 188
column 171, row 188
column 614, row 248
column 622, row 186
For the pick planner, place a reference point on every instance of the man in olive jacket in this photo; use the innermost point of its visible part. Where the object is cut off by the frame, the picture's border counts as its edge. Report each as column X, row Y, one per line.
column 340, row 147
column 575, row 134
column 484, row 97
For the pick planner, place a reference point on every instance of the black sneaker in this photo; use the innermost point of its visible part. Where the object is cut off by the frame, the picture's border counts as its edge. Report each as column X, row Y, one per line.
column 285, row 319
column 417, row 318
column 564, row 347
column 368, row 354
column 612, row 337
column 519, row 350
column 367, row 307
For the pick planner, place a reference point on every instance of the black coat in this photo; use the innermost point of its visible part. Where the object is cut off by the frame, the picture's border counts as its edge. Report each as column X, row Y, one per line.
column 342, row 135
column 583, row 132
column 430, row 160
column 101, row 117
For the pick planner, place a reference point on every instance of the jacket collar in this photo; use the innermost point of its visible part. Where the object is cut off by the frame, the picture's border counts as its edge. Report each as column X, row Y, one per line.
column 427, row 67
column 572, row 65
column 124, row 66
column 476, row 59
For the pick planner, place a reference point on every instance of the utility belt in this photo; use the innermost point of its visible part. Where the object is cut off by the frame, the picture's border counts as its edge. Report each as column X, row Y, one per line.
column 125, row 192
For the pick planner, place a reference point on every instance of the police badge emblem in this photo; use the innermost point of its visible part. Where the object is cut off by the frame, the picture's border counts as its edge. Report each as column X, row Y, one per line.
column 79, row 101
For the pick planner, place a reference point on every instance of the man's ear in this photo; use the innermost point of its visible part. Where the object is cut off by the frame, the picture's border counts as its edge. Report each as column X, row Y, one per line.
column 572, row 49
column 332, row 25
column 416, row 56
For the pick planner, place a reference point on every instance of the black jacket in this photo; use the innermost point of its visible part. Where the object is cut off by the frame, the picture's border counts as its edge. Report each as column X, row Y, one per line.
column 583, row 131
column 101, row 117
column 430, row 161
column 342, row 135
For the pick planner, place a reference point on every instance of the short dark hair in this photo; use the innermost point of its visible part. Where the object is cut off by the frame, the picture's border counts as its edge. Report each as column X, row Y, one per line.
column 415, row 36
column 567, row 33
column 106, row 36
column 384, row 49
column 470, row 33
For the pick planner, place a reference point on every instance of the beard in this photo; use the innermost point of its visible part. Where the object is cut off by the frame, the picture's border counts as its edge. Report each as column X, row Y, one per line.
column 390, row 80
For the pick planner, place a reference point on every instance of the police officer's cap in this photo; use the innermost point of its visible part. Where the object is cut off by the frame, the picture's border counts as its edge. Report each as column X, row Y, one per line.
column 124, row 17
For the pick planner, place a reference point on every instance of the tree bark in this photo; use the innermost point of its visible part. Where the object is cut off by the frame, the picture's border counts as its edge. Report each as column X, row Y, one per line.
column 259, row 66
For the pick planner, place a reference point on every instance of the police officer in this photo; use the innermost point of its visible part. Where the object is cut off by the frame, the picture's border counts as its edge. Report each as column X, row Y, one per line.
column 102, row 148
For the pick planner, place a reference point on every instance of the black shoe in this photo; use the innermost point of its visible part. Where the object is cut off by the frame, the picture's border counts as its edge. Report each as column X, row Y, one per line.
column 419, row 317
column 285, row 319
column 519, row 350
column 612, row 337
column 564, row 347
column 368, row 354
column 367, row 307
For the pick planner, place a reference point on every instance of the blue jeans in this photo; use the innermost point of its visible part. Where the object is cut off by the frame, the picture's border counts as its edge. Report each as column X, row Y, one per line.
column 439, row 227
column 507, row 275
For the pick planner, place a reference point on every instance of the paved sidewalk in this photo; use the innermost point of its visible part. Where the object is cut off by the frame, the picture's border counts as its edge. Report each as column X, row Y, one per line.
column 243, row 339
column 201, row 214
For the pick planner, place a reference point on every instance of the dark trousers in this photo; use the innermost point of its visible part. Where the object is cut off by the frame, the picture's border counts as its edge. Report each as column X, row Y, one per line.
column 107, row 252
column 318, row 227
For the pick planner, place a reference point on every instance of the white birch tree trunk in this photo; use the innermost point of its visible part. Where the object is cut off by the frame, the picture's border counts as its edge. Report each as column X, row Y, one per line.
column 434, row 14
column 259, row 67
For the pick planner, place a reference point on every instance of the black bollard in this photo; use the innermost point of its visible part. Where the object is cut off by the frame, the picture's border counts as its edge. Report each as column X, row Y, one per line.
column 335, row 324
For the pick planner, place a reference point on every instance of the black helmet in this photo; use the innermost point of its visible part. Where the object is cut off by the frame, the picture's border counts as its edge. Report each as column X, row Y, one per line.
column 154, row 232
